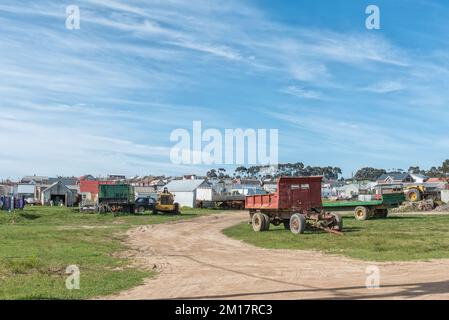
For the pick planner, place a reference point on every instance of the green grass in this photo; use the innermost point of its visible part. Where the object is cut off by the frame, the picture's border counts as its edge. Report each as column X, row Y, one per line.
column 37, row 244
column 398, row 238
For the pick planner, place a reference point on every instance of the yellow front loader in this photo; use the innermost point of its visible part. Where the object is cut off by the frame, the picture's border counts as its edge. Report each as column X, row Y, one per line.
column 166, row 203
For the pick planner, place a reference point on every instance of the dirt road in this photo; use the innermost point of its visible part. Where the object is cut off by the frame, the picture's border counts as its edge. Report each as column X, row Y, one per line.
column 196, row 261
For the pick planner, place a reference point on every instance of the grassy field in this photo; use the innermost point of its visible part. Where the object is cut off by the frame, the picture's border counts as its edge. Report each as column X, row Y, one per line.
column 37, row 244
column 398, row 238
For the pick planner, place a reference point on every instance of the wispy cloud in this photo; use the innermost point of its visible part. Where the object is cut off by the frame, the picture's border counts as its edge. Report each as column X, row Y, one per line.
column 139, row 69
column 385, row 87
column 300, row 92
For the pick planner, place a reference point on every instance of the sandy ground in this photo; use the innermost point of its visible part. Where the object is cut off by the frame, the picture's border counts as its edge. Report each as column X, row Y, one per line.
column 196, row 261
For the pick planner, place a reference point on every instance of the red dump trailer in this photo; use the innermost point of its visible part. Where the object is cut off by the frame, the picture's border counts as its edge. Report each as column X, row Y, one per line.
column 297, row 204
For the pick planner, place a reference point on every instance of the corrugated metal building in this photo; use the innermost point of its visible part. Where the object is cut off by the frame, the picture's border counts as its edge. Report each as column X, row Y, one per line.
column 58, row 194
column 185, row 191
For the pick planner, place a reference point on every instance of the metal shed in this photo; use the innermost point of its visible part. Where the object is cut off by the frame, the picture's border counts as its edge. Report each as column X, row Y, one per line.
column 185, row 191
column 58, row 194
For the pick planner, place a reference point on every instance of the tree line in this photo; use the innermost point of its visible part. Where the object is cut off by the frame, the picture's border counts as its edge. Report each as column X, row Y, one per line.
column 329, row 173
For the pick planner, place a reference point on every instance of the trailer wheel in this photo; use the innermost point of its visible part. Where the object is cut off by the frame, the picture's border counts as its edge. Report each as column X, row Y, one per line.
column 297, row 223
column 258, row 222
column 362, row 213
column 413, row 195
column 266, row 222
column 338, row 223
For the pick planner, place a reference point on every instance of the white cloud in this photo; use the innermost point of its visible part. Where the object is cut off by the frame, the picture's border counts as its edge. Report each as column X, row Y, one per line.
column 300, row 92
column 385, row 87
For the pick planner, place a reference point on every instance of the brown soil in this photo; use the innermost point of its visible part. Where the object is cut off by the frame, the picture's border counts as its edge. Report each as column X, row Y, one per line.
column 196, row 261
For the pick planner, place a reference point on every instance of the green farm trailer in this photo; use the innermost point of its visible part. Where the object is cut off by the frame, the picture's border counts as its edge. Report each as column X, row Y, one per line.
column 363, row 210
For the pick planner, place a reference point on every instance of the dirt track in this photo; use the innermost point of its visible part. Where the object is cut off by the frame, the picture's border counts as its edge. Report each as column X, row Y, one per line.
column 196, row 261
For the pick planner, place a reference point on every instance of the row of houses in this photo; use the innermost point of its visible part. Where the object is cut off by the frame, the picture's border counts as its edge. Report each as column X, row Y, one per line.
column 188, row 190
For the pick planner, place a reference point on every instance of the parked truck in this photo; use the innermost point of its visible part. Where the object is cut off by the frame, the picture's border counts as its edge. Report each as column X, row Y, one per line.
column 116, row 198
column 296, row 204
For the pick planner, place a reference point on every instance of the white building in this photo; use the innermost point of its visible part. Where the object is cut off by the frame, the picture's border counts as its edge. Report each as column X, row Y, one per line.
column 25, row 190
column 186, row 191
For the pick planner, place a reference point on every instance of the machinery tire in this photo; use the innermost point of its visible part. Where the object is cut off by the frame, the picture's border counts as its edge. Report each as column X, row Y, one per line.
column 362, row 213
column 140, row 209
column 383, row 214
column 267, row 222
column 338, row 225
column 286, row 224
column 258, row 222
column 297, row 223
column 413, row 195
column 176, row 208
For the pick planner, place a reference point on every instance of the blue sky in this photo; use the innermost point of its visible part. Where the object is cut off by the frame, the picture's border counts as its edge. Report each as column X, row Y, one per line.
column 104, row 98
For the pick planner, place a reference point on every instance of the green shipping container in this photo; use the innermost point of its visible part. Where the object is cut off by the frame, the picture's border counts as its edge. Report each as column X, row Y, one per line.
column 116, row 192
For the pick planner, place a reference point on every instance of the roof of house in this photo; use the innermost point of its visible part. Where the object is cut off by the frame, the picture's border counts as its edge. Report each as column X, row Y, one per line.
column 185, row 185
column 65, row 181
column 437, row 179
column 394, row 176
column 54, row 184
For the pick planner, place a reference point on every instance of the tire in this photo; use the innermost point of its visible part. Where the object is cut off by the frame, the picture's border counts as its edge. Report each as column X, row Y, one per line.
column 258, row 222
column 140, row 209
column 413, row 195
column 297, row 223
column 362, row 213
column 267, row 222
column 338, row 225
column 383, row 214
column 286, row 224
column 176, row 209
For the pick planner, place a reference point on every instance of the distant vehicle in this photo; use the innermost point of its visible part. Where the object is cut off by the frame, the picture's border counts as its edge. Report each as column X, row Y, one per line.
column 116, row 198
column 424, row 191
column 166, row 203
column 145, row 203
column 30, row 201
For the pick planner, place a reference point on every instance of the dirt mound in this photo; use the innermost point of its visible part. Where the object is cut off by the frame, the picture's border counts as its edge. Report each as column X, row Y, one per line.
column 425, row 205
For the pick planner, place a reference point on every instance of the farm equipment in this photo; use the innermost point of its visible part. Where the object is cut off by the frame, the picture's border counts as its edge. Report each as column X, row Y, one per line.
column 166, row 203
column 296, row 204
column 375, row 207
column 425, row 191
column 116, row 198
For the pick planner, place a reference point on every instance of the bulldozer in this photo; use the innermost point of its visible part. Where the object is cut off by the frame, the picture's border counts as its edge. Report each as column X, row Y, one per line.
column 166, row 203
